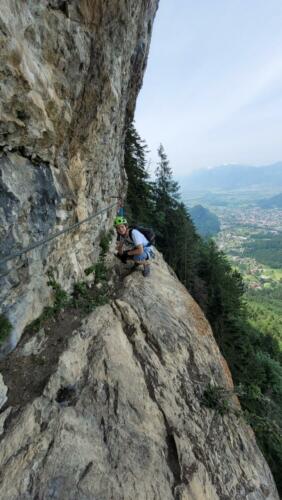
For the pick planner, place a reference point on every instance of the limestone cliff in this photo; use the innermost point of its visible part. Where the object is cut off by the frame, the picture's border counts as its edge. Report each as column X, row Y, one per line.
column 110, row 409
column 70, row 71
column 121, row 417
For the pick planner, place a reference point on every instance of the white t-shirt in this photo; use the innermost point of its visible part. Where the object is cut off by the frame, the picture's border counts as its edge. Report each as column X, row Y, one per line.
column 138, row 238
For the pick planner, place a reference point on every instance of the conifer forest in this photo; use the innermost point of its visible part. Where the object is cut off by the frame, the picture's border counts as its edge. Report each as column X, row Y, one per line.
column 251, row 350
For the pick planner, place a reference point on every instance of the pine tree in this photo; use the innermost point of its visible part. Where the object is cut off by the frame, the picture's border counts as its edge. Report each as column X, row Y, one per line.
column 166, row 193
column 139, row 194
column 176, row 235
column 166, row 189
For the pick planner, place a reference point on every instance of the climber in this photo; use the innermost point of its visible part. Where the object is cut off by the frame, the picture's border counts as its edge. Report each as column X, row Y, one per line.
column 140, row 249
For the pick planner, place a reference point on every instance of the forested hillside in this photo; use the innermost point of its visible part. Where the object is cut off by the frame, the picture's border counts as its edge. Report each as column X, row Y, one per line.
column 253, row 355
column 266, row 249
column 206, row 222
column 273, row 202
column 264, row 308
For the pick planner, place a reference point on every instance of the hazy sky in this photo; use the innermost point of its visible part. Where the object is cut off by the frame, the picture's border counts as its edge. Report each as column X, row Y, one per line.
column 212, row 91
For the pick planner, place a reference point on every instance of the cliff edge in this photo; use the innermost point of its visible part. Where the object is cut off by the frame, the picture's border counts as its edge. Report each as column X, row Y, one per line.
column 122, row 417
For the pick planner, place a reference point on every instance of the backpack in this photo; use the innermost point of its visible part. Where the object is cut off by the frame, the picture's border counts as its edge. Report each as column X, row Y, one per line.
column 146, row 231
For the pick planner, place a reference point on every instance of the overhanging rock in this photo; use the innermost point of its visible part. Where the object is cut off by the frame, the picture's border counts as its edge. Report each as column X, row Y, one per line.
column 70, row 76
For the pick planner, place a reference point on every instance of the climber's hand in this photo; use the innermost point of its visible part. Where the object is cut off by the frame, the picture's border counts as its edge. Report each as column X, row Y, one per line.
column 124, row 256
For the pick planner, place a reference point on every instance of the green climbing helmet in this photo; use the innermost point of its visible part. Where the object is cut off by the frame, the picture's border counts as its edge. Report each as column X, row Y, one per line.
column 120, row 220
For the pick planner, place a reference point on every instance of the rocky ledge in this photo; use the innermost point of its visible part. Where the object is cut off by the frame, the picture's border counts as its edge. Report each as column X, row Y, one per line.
column 122, row 416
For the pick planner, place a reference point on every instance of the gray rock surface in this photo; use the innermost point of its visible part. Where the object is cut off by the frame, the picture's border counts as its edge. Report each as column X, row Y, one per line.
column 3, row 392
column 69, row 77
column 121, row 417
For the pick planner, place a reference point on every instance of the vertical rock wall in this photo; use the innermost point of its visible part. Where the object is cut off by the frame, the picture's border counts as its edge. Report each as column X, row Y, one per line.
column 70, row 72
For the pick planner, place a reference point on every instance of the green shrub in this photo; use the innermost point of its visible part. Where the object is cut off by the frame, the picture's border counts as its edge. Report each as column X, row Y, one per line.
column 100, row 272
column 99, row 268
column 82, row 298
column 47, row 313
column 86, row 300
column 5, row 328
column 217, row 398
column 105, row 243
column 90, row 269
column 61, row 298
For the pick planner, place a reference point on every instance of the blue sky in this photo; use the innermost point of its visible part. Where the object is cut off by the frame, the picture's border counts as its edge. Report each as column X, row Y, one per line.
column 212, row 90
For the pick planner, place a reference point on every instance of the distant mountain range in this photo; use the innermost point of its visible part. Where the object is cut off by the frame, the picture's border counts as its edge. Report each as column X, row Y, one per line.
column 232, row 177
column 273, row 202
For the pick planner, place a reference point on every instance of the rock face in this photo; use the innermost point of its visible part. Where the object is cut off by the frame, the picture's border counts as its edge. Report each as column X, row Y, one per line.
column 70, row 72
column 121, row 417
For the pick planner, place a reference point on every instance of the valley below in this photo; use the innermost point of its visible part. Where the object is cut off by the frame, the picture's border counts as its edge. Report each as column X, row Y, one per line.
column 251, row 238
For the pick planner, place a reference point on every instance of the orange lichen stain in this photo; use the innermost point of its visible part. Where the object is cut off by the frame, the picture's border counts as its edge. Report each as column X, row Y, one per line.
column 227, row 373
column 201, row 324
